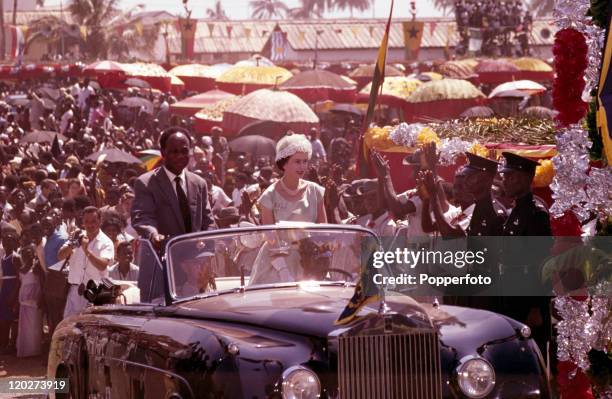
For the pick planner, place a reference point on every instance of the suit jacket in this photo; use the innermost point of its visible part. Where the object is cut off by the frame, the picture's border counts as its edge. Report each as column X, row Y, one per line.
column 156, row 208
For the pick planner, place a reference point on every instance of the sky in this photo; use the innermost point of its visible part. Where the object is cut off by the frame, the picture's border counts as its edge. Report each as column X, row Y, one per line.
column 239, row 9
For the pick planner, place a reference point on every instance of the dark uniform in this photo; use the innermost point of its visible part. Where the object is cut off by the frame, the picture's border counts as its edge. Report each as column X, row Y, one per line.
column 522, row 259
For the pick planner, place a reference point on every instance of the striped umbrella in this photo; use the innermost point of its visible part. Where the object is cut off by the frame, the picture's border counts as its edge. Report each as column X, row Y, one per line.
column 270, row 105
column 150, row 158
column 100, row 67
column 319, row 85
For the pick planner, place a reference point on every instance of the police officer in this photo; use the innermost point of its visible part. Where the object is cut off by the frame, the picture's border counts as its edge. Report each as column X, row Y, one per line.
column 522, row 258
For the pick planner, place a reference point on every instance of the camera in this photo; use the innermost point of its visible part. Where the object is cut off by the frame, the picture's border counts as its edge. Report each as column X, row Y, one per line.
column 76, row 239
column 104, row 293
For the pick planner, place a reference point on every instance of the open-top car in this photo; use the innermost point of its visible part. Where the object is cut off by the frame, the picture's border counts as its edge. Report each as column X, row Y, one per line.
column 252, row 313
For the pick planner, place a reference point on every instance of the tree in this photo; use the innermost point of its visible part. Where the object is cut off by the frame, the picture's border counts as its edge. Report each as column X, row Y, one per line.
column 109, row 32
column 541, row 7
column 268, row 9
column 359, row 5
column 217, row 13
column 310, row 9
column 445, row 5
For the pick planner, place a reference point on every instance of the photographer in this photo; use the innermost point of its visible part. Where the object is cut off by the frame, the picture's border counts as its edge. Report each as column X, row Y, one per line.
column 90, row 255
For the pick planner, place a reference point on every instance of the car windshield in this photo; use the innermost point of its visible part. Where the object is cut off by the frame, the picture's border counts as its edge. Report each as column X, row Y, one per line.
column 209, row 262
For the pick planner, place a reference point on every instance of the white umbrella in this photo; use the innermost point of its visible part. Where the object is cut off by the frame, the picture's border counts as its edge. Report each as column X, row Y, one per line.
column 519, row 88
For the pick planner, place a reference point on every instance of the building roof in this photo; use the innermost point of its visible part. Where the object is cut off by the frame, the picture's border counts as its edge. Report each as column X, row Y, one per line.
column 250, row 36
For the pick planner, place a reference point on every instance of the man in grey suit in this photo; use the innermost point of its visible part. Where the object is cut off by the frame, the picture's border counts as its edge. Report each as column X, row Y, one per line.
column 170, row 200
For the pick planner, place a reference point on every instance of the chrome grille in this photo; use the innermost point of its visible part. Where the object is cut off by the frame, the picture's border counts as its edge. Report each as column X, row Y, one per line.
column 389, row 366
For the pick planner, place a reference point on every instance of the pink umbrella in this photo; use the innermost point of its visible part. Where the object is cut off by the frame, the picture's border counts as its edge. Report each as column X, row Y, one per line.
column 191, row 105
column 100, row 67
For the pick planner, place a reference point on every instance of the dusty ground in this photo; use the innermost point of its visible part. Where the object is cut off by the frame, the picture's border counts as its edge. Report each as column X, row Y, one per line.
column 32, row 367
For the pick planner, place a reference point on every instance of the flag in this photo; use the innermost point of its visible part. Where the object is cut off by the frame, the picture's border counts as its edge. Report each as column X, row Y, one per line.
column 365, row 291
column 211, row 29
column 278, row 45
column 413, row 33
column 377, row 81
column 604, row 97
column 188, row 28
column 229, row 30
column 247, row 32
column 139, row 28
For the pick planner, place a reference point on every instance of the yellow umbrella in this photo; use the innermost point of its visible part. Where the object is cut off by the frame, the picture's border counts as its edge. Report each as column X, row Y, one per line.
column 530, row 64
column 445, row 89
column 189, row 70
column 433, row 75
column 396, row 86
column 259, row 75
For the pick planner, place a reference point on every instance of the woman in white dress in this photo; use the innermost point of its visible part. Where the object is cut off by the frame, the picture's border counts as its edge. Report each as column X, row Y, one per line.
column 30, row 335
column 290, row 199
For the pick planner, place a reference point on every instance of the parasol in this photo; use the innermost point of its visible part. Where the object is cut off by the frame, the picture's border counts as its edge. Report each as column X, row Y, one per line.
column 539, row 113
column 518, row 88
column 114, row 155
column 41, row 136
column 189, row 70
column 245, row 79
column 346, row 109
column 138, row 102
column 319, row 85
column 446, row 89
column 150, row 158
column 101, row 67
column 367, row 71
column 255, row 60
column 491, row 65
column 272, row 105
column 530, row 64
column 457, row 69
column 177, row 85
column 255, row 145
column 212, row 115
column 477, row 112
column 191, row 105
column 135, row 82
column 363, row 74
column 48, row 92
column 395, row 89
column 17, row 100
column 153, row 74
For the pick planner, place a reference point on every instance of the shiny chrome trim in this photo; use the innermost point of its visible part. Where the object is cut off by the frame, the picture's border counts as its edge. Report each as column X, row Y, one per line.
column 287, row 372
column 146, row 366
column 462, row 362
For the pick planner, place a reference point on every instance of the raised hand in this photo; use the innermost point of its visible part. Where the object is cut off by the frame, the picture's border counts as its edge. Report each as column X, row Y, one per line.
column 431, row 156
column 381, row 164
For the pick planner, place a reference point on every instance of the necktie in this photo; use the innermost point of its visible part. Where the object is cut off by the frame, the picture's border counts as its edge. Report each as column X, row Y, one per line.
column 183, row 204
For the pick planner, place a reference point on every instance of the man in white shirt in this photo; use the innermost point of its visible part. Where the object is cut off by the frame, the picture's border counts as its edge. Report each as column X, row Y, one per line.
column 65, row 120
column 88, row 261
column 318, row 151
column 84, row 93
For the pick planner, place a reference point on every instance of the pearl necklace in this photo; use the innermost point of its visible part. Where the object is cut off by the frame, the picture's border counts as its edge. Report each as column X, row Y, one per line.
column 289, row 191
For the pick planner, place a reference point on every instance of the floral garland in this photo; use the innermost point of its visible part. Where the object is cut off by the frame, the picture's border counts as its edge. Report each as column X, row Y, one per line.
column 570, row 62
column 584, row 330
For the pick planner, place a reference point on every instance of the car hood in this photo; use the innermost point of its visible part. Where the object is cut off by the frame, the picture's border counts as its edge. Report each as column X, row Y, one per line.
column 313, row 310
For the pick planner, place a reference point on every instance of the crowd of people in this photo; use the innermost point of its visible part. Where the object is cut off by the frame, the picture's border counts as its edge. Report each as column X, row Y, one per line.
column 60, row 204
column 502, row 26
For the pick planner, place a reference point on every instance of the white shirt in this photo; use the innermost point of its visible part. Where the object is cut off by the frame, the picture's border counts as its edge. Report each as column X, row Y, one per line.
column 219, row 198
column 413, row 220
column 237, row 196
column 172, row 176
column 81, row 269
column 318, row 151
column 84, row 94
column 66, row 120
column 115, row 274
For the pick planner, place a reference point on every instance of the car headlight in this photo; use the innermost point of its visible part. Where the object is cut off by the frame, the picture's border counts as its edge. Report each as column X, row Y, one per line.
column 300, row 383
column 476, row 377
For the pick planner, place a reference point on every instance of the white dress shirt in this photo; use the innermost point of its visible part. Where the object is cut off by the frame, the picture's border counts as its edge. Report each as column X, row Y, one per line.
column 81, row 268
column 172, row 176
